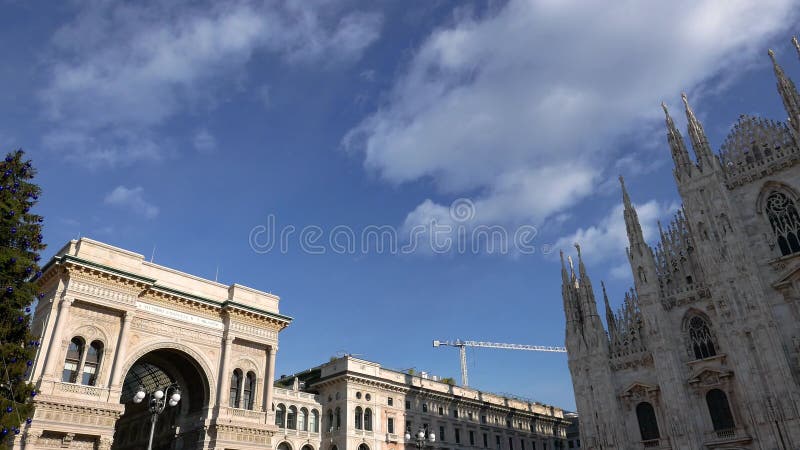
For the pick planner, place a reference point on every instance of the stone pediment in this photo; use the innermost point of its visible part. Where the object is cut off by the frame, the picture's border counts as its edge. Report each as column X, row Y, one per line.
column 639, row 390
column 708, row 376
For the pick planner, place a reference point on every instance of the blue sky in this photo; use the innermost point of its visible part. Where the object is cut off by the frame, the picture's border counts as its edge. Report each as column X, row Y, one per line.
column 184, row 126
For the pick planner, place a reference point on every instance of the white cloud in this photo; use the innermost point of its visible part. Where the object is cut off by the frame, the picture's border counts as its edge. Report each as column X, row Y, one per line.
column 204, row 141
column 607, row 240
column 133, row 200
column 524, row 104
column 134, row 66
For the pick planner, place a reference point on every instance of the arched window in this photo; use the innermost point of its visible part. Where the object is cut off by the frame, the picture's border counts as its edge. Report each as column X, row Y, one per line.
column 330, row 420
column 249, row 390
column 368, row 419
column 338, row 417
column 359, row 418
column 236, row 388
column 313, row 421
column 363, row 447
column 291, row 418
column 91, row 363
column 648, row 425
column 307, row 447
column 280, row 416
column 700, row 338
column 73, row 360
column 302, row 420
column 720, row 410
column 785, row 222
column 284, row 446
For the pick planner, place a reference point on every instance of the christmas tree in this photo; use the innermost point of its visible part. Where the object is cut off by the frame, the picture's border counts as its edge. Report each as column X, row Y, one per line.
column 20, row 244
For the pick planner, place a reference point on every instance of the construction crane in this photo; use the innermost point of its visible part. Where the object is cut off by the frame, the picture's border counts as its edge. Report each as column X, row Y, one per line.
column 462, row 347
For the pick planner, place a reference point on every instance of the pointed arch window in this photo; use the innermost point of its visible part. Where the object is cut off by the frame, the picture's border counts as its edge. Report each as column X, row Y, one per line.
column 648, row 425
column 359, row 418
column 701, row 339
column 368, row 419
column 720, row 410
column 73, row 360
column 338, row 417
column 785, row 222
column 330, row 419
column 236, row 388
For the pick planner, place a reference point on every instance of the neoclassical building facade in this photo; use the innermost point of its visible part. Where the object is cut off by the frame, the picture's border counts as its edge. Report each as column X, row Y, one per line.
column 364, row 406
column 705, row 351
column 112, row 322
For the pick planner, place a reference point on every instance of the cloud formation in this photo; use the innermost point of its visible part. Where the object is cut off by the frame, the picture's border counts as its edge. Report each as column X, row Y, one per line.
column 523, row 104
column 133, row 66
column 133, row 200
column 608, row 239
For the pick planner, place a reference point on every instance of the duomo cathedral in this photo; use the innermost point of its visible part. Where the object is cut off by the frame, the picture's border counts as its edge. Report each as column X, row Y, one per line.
column 705, row 350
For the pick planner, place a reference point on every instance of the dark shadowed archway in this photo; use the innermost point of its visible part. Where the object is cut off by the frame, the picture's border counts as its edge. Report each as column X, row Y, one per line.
column 179, row 427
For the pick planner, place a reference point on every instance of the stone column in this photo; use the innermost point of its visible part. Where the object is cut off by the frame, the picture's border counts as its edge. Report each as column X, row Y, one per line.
column 224, row 375
column 55, row 340
column 122, row 347
column 269, row 379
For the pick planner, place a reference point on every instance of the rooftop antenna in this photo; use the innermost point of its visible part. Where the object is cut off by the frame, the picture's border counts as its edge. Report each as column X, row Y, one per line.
column 153, row 255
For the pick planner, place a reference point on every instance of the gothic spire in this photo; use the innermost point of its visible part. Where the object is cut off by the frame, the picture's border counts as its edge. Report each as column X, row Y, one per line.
column 796, row 44
column 702, row 149
column 680, row 155
column 634, row 229
column 612, row 325
column 788, row 92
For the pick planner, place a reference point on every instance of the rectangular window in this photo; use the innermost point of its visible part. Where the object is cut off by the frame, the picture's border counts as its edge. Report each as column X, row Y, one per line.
column 533, row 445
column 455, row 413
column 510, row 443
column 441, row 434
column 408, row 404
column 424, row 407
column 458, row 436
column 390, row 425
column 497, row 441
column 425, row 428
column 485, row 440
column 390, row 401
column 441, row 411
column 471, row 437
column 571, row 444
column 508, row 424
column 408, row 426
column 521, row 444
column 469, row 415
column 483, row 419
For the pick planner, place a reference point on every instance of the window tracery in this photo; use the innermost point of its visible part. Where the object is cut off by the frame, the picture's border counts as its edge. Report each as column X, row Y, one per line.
column 785, row 222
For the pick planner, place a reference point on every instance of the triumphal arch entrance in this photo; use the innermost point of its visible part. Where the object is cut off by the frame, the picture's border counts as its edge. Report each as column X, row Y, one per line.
column 117, row 331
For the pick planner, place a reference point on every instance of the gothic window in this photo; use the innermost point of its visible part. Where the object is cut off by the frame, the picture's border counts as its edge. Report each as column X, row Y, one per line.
column 280, row 415
column 785, row 222
column 91, row 363
column 642, row 275
column 236, row 386
column 249, row 390
column 313, row 421
column 359, row 418
column 700, row 338
column 648, row 425
column 73, row 359
column 330, row 419
column 338, row 417
column 720, row 410
column 368, row 419
column 291, row 418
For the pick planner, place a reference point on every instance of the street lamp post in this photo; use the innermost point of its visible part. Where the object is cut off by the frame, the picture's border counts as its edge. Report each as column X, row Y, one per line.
column 159, row 399
column 419, row 439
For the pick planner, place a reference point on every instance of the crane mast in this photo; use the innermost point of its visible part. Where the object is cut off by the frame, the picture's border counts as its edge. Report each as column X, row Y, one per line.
column 462, row 347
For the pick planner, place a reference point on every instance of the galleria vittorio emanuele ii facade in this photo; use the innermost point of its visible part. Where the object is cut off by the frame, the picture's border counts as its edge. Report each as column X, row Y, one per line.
column 705, row 351
column 116, row 330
